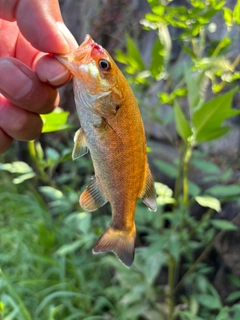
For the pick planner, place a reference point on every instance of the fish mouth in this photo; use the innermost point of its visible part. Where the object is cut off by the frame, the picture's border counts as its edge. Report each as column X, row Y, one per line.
column 82, row 55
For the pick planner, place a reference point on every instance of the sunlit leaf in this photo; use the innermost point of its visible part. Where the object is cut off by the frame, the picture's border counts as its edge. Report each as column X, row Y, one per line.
column 228, row 16
column 210, row 116
column 236, row 12
column 134, row 55
column 165, row 194
column 51, row 192
column 24, row 177
column 55, row 121
column 209, row 202
column 157, row 59
column 16, row 167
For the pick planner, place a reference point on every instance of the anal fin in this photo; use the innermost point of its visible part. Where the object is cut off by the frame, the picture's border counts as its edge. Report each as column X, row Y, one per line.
column 148, row 194
column 92, row 197
column 80, row 144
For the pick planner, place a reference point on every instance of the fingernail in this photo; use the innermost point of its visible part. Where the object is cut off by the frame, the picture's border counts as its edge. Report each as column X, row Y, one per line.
column 60, row 79
column 67, row 35
column 13, row 81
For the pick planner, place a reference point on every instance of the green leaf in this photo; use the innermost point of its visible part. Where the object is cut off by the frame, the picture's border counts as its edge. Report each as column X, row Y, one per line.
column 209, row 301
column 236, row 12
column 228, row 16
column 166, row 168
column 194, row 89
column 134, row 55
column 165, row 194
column 182, row 126
column 194, row 189
column 24, row 177
column 55, row 121
column 233, row 296
column 157, row 59
column 209, row 202
column 224, row 191
column 213, row 134
column 224, row 225
column 209, row 117
column 223, row 315
column 84, row 221
column 205, row 166
column 159, row 10
column 68, row 248
column 153, row 17
column 51, row 192
column 16, row 167
column 174, row 245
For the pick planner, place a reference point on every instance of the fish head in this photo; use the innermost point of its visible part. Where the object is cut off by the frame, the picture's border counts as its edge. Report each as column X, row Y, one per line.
column 93, row 69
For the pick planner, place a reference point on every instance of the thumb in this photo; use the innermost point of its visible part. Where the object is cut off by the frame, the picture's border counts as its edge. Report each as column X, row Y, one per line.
column 40, row 22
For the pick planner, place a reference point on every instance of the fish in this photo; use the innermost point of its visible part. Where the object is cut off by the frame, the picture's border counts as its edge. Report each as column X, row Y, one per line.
column 111, row 129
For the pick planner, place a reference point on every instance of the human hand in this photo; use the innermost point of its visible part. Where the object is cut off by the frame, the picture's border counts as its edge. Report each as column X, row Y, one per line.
column 29, row 77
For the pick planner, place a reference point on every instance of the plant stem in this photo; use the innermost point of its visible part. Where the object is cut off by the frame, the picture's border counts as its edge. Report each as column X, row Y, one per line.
column 171, row 281
column 194, row 265
column 186, row 160
column 14, row 295
column 43, row 176
column 179, row 174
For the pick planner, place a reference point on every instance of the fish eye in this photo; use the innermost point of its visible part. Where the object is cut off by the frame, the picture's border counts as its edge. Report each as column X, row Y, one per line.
column 104, row 65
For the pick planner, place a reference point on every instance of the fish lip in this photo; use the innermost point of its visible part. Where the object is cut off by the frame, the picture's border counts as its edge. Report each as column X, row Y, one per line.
column 82, row 53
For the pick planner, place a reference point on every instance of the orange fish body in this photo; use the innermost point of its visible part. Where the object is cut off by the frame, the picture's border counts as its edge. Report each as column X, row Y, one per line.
column 113, row 132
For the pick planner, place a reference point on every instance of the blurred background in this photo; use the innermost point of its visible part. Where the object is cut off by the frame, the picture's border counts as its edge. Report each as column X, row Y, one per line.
column 181, row 59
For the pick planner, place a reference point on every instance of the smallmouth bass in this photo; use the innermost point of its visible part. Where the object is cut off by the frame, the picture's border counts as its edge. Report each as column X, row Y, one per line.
column 112, row 130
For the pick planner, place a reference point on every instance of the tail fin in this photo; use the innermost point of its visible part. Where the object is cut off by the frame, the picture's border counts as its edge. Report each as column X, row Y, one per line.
column 120, row 242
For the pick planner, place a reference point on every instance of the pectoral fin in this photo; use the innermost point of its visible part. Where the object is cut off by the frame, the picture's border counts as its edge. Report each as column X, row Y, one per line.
column 92, row 197
column 148, row 194
column 80, row 144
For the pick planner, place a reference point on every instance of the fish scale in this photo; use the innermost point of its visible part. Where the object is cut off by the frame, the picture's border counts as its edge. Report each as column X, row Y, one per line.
column 112, row 130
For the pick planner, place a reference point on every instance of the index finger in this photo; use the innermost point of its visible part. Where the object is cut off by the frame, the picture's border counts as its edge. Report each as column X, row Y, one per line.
column 41, row 24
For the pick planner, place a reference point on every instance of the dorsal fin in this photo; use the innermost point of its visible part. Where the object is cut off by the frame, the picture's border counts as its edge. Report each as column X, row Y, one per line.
column 148, row 194
column 92, row 197
column 80, row 144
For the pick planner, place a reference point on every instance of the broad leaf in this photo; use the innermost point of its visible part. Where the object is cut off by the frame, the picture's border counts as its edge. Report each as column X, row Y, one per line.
column 19, row 167
column 194, row 89
column 134, row 56
column 182, row 126
column 157, row 59
column 236, row 12
column 233, row 296
column 224, row 191
column 224, row 225
column 207, row 120
column 55, row 121
column 209, row 301
column 209, row 202
column 212, row 134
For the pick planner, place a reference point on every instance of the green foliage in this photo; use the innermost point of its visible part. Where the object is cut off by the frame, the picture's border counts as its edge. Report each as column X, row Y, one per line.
column 55, row 121
column 47, row 270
